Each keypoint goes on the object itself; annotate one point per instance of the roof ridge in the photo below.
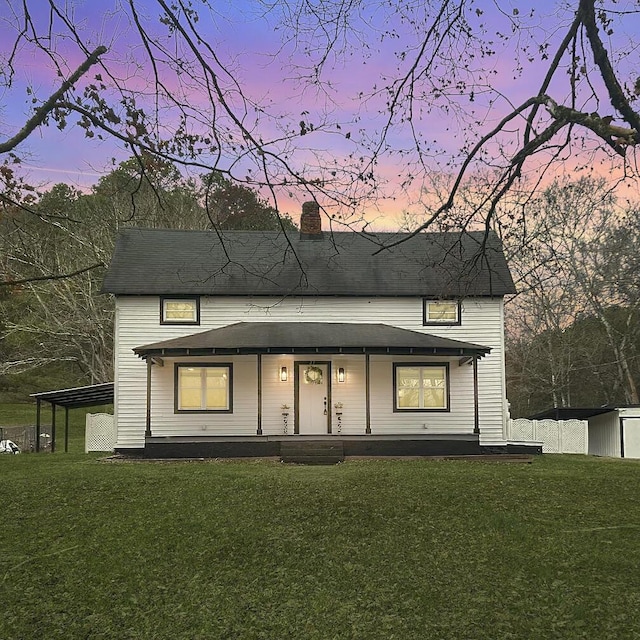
(295, 232)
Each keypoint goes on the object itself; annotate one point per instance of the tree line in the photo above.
(55, 325)
(572, 331)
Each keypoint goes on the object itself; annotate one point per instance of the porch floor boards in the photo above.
(463, 437)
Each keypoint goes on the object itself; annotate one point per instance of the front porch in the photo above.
(333, 380)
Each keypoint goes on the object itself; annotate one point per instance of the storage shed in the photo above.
(613, 431)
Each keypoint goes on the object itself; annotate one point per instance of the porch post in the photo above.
(147, 432)
(476, 412)
(38, 407)
(259, 359)
(367, 378)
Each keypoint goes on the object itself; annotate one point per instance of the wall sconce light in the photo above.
(341, 374)
(284, 374)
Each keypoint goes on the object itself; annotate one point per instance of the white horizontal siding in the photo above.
(459, 419)
(243, 421)
(137, 323)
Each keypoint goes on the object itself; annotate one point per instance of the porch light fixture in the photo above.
(341, 374)
(284, 374)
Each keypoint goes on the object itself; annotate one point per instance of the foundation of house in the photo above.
(334, 446)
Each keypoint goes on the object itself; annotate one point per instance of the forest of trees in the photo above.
(469, 113)
(57, 328)
(573, 330)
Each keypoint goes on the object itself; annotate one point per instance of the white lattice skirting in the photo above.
(557, 436)
(100, 432)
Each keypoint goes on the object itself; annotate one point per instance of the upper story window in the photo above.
(180, 310)
(444, 312)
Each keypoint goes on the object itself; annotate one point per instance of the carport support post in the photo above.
(38, 407)
(53, 427)
(66, 429)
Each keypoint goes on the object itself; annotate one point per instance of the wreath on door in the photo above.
(313, 375)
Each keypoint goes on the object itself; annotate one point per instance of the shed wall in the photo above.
(604, 435)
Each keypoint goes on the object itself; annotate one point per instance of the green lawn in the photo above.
(367, 549)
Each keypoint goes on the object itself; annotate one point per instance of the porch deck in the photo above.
(352, 445)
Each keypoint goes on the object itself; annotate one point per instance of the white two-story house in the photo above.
(232, 343)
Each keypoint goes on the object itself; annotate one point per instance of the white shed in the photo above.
(613, 431)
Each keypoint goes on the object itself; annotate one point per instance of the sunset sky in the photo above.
(256, 46)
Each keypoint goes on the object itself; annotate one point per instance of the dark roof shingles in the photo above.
(155, 262)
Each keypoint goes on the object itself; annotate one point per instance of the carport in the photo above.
(78, 397)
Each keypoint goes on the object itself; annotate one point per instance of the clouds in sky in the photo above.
(344, 95)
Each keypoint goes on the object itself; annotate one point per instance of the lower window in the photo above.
(421, 387)
(203, 387)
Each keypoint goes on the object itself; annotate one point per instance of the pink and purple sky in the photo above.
(266, 61)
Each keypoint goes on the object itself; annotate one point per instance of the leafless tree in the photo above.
(461, 88)
(576, 260)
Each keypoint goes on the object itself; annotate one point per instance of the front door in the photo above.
(313, 407)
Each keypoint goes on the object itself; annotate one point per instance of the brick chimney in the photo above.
(310, 221)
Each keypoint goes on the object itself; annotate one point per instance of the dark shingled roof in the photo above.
(310, 337)
(161, 262)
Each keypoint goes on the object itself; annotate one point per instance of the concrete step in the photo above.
(312, 459)
(312, 452)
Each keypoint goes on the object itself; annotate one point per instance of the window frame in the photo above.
(164, 299)
(202, 365)
(426, 322)
(422, 365)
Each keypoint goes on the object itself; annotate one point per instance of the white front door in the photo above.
(313, 398)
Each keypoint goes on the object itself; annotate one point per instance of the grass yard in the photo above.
(366, 549)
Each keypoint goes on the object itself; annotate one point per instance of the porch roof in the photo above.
(309, 337)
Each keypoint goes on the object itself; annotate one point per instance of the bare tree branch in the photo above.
(44, 110)
(52, 276)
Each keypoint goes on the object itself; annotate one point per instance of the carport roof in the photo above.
(89, 396)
